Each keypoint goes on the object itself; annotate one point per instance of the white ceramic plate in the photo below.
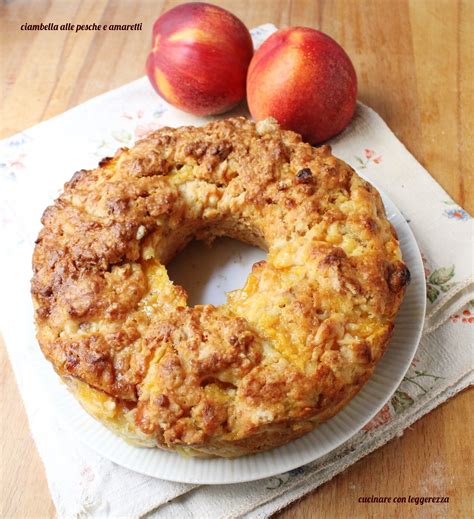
(207, 275)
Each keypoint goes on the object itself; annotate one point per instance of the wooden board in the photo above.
(415, 63)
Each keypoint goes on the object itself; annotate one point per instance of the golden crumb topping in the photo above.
(286, 351)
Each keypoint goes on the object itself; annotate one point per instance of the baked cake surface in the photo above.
(286, 352)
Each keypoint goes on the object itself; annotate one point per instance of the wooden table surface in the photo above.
(415, 63)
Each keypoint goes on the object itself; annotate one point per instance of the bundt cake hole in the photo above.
(208, 272)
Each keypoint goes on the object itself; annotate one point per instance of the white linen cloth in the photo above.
(33, 166)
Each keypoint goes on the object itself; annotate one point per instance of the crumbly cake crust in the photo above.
(285, 352)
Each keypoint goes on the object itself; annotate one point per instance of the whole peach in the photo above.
(305, 80)
(200, 58)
